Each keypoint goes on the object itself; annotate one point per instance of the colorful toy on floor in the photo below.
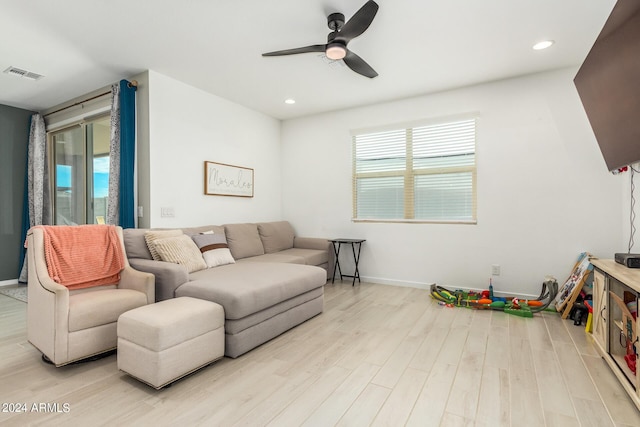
(487, 300)
(589, 325)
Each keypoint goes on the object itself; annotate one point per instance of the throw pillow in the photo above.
(152, 235)
(214, 248)
(180, 250)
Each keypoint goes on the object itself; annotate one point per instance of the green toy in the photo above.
(513, 306)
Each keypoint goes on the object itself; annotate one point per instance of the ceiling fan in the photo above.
(341, 34)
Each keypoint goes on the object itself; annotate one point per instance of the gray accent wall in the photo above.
(14, 137)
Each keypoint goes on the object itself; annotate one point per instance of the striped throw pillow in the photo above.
(214, 248)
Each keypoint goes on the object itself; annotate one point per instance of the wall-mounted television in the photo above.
(608, 83)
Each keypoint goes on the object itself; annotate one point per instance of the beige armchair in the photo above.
(67, 326)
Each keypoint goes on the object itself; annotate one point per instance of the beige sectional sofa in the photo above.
(275, 282)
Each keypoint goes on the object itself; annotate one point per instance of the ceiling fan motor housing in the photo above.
(335, 21)
(332, 36)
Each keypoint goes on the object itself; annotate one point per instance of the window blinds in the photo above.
(424, 173)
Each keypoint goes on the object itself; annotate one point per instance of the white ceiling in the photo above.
(416, 46)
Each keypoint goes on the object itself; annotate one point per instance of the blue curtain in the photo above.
(127, 153)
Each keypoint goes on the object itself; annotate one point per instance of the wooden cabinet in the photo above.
(599, 309)
(615, 326)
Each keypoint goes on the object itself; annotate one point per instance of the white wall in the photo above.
(626, 212)
(188, 126)
(544, 193)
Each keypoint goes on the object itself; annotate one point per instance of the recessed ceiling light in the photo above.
(543, 44)
(290, 101)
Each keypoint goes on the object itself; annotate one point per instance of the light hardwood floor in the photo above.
(378, 355)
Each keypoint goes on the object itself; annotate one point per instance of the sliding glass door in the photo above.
(81, 174)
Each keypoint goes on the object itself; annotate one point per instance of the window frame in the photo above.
(409, 173)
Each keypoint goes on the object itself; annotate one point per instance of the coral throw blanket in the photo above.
(83, 256)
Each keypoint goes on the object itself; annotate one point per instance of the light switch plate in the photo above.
(167, 212)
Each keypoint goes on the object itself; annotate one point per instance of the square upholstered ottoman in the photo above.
(160, 343)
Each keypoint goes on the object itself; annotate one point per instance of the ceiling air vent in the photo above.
(18, 72)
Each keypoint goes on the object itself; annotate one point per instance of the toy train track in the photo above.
(483, 301)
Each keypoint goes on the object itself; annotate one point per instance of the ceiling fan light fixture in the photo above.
(336, 51)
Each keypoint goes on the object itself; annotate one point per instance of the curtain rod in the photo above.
(133, 83)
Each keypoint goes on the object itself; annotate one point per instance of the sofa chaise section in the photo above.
(261, 300)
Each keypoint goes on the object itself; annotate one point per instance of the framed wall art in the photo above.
(227, 180)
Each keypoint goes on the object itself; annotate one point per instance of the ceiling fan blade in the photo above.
(358, 65)
(359, 22)
(306, 49)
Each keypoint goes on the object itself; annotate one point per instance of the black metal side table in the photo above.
(337, 243)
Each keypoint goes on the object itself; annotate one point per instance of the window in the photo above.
(424, 173)
(81, 172)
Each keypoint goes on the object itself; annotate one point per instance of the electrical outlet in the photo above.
(140, 212)
(167, 212)
(495, 270)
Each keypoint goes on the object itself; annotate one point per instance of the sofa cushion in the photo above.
(214, 248)
(243, 240)
(293, 256)
(180, 250)
(310, 256)
(277, 257)
(248, 287)
(134, 244)
(97, 308)
(276, 236)
(152, 235)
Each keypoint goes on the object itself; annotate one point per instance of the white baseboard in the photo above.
(392, 282)
(427, 286)
(8, 282)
